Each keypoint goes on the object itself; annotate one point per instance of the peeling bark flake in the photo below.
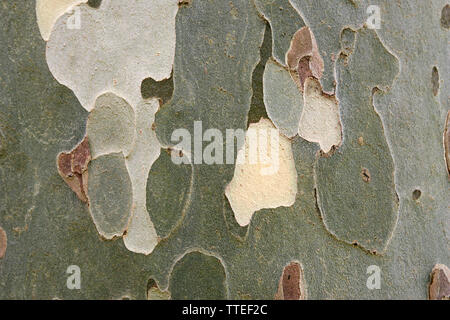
(72, 167)
(439, 288)
(303, 57)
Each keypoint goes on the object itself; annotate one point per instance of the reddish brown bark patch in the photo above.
(303, 57)
(72, 167)
(3, 242)
(439, 288)
(290, 286)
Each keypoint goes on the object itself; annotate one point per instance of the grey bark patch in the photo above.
(3, 242)
(326, 19)
(197, 276)
(283, 100)
(72, 167)
(111, 126)
(284, 21)
(435, 81)
(445, 16)
(168, 189)
(356, 191)
(110, 194)
(439, 288)
(348, 37)
(291, 285)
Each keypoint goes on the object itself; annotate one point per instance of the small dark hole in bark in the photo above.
(435, 80)
(445, 17)
(94, 3)
(416, 194)
(365, 174)
(184, 3)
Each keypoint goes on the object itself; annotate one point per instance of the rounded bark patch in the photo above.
(291, 283)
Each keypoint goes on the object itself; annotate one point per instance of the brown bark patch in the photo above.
(439, 288)
(3, 242)
(303, 57)
(291, 286)
(365, 174)
(72, 167)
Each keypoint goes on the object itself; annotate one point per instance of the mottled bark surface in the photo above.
(92, 92)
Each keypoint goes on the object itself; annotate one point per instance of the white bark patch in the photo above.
(251, 188)
(48, 12)
(320, 121)
(115, 47)
(141, 236)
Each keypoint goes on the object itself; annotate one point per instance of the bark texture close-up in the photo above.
(212, 149)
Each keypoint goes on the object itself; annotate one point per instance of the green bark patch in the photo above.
(168, 190)
(110, 194)
(198, 276)
(283, 100)
(284, 21)
(355, 185)
(111, 126)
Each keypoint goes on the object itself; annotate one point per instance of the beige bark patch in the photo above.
(320, 121)
(291, 285)
(115, 47)
(141, 235)
(439, 288)
(303, 57)
(259, 184)
(48, 12)
(3, 242)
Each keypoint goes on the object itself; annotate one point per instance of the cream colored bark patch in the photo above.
(48, 12)
(320, 121)
(141, 235)
(268, 182)
(115, 47)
